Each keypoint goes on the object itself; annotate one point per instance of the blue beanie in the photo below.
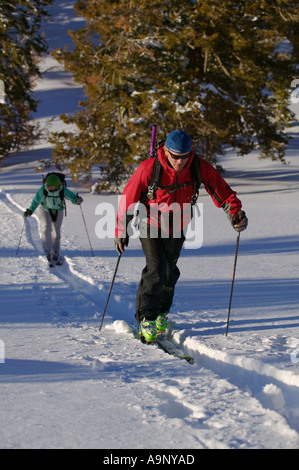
(178, 141)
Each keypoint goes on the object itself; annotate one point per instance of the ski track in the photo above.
(179, 397)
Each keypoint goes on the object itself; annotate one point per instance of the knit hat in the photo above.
(53, 180)
(178, 141)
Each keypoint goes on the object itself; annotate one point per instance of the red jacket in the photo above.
(214, 184)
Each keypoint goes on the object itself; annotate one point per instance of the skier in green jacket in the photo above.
(51, 197)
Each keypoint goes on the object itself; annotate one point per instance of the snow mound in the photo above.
(120, 327)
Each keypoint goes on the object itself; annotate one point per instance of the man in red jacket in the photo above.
(162, 242)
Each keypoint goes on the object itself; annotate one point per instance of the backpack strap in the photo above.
(155, 179)
(61, 194)
(174, 187)
(196, 176)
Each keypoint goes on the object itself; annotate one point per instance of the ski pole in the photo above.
(86, 228)
(21, 236)
(115, 271)
(233, 280)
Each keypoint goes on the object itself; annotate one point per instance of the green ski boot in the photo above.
(148, 331)
(161, 323)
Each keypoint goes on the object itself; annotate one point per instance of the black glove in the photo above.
(27, 213)
(79, 200)
(120, 243)
(240, 221)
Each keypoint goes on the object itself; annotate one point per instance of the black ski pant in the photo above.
(159, 277)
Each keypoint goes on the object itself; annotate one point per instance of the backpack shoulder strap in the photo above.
(155, 179)
(157, 174)
(196, 176)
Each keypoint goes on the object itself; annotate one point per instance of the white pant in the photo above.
(50, 231)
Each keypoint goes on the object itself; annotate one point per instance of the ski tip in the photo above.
(190, 360)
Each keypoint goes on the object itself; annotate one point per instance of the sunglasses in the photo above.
(51, 188)
(180, 157)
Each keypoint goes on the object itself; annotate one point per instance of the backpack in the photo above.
(157, 177)
(61, 176)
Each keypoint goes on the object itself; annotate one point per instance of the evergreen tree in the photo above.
(21, 44)
(221, 70)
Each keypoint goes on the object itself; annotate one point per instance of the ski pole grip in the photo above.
(154, 129)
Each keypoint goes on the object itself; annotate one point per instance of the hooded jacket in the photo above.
(53, 199)
(177, 202)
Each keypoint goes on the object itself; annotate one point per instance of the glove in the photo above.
(120, 243)
(27, 213)
(79, 200)
(240, 221)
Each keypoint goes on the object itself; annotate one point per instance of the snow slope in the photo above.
(65, 384)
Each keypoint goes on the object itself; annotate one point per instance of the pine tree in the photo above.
(21, 44)
(214, 68)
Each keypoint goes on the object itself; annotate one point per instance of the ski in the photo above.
(168, 347)
(50, 263)
(58, 260)
(53, 264)
(164, 343)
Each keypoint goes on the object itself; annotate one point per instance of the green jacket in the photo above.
(53, 199)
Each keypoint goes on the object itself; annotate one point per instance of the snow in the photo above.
(67, 385)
